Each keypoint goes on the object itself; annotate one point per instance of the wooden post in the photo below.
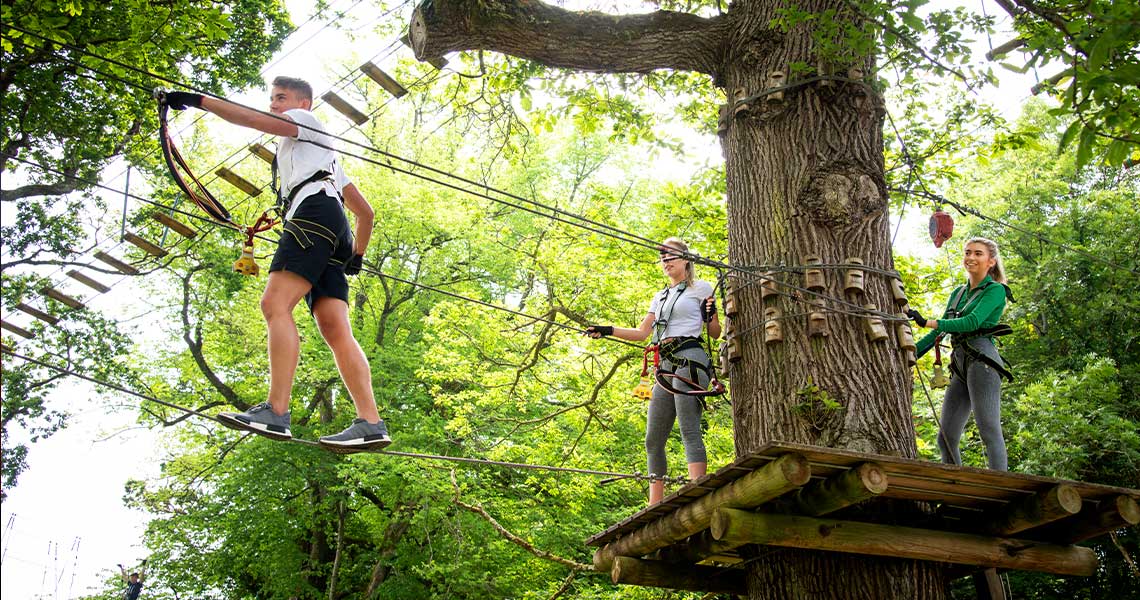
(37, 313)
(831, 535)
(116, 263)
(343, 107)
(774, 479)
(146, 246)
(262, 152)
(1058, 502)
(87, 281)
(238, 181)
(178, 226)
(59, 296)
(988, 585)
(385, 80)
(693, 578)
(20, 331)
(1110, 515)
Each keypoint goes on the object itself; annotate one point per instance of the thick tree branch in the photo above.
(587, 41)
(192, 335)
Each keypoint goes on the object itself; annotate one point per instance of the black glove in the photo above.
(597, 331)
(183, 100)
(708, 309)
(352, 267)
(144, 562)
(917, 316)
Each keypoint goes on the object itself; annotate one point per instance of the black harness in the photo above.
(960, 341)
(671, 349)
(283, 203)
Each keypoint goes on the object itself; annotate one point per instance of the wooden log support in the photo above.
(693, 578)
(385, 80)
(175, 225)
(1109, 515)
(37, 313)
(850, 487)
(698, 548)
(61, 297)
(343, 107)
(778, 477)
(115, 263)
(238, 181)
(20, 331)
(262, 152)
(149, 248)
(87, 281)
(1036, 510)
(729, 524)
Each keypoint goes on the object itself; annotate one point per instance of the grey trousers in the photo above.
(979, 392)
(665, 408)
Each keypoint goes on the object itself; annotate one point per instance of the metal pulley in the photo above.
(941, 227)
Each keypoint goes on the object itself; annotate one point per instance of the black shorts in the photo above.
(316, 244)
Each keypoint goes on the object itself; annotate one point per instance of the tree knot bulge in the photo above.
(840, 195)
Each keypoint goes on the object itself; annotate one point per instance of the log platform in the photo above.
(807, 497)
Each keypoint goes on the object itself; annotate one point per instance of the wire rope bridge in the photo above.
(797, 496)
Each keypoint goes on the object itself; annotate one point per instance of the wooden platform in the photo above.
(780, 495)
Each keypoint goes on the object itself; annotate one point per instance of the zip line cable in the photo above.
(310, 443)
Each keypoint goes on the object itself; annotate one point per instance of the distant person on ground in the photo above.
(316, 252)
(134, 582)
(972, 319)
(677, 315)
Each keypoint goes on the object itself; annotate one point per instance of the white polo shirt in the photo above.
(684, 316)
(297, 160)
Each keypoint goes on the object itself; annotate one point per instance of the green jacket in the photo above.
(975, 311)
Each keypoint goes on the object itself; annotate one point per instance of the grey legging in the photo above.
(665, 407)
(980, 392)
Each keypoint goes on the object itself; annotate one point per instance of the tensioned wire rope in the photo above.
(554, 212)
(310, 443)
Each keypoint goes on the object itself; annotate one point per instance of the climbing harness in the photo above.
(941, 227)
(960, 341)
(246, 264)
(671, 348)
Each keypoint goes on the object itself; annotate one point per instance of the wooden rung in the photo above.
(178, 226)
(385, 80)
(238, 181)
(147, 247)
(262, 152)
(343, 107)
(20, 331)
(438, 62)
(59, 296)
(87, 281)
(116, 263)
(37, 313)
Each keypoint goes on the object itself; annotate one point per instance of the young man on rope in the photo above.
(675, 319)
(972, 319)
(317, 250)
(134, 582)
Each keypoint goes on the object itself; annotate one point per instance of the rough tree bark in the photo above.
(804, 177)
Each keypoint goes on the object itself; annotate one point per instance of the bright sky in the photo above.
(65, 528)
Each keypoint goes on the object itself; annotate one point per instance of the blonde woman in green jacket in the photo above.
(972, 320)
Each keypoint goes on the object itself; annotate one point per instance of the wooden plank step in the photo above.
(343, 107)
(146, 246)
(87, 281)
(262, 152)
(61, 297)
(39, 314)
(115, 263)
(177, 226)
(385, 80)
(238, 181)
(20, 331)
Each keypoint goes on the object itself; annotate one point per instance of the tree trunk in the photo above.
(804, 178)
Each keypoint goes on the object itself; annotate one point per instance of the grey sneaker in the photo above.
(361, 436)
(259, 419)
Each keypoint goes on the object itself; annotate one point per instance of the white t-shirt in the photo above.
(684, 318)
(298, 160)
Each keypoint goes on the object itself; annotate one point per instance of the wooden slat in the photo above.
(262, 152)
(238, 181)
(39, 314)
(59, 296)
(177, 226)
(385, 80)
(20, 331)
(87, 281)
(343, 107)
(116, 263)
(146, 246)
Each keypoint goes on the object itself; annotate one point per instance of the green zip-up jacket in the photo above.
(983, 311)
